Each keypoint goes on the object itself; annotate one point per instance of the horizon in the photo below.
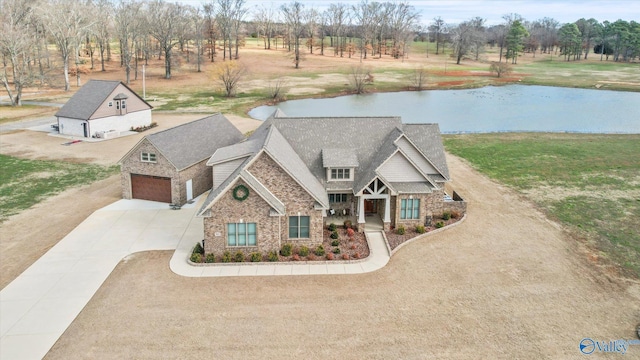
(456, 11)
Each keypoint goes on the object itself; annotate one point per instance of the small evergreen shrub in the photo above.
(347, 224)
(330, 256)
(446, 215)
(332, 227)
(198, 249)
(226, 257)
(336, 250)
(273, 256)
(196, 258)
(335, 242)
(420, 229)
(304, 251)
(255, 257)
(238, 257)
(319, 251)
(439, 224)
(286, 250)
(210, 258)
(400, 230)
(334, 235)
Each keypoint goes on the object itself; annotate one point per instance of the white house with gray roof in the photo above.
(103, 107)
(171, 165)
(285, 182)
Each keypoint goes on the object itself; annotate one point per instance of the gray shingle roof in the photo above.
(336, 158)
(190, 143)
(235, 151)
(428, 140)
(385, 149)
(411, 187)
(88, 99)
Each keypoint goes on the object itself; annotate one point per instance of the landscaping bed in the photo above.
(396, 237)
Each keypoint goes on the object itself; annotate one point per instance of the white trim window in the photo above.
(148, 157)
(298, 227)
(337, 198)
(110, 103)
(241, 234)
(410, 209)
(124, 104)
(341, 174)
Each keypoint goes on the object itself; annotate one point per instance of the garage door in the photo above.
(152, 188)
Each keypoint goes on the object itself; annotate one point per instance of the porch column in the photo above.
(361, 210)
(387, 210)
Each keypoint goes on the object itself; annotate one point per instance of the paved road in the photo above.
(38, 306)
(20, 125)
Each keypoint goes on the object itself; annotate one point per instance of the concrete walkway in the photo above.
(39, 305)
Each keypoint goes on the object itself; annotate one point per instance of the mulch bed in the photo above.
(410, 232)
(350, 248)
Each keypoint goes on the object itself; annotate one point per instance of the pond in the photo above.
(511, 108)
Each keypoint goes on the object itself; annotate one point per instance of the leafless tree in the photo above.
(419, 78)
(311, 20)
(210, 27)
(338, 15)
(500, 68)
(461, 40)
(198, 23)
(67, 22)
(229, 74)
(17, 48)
(293, 16)
(265, 18)
(359, 78)
(127, 28)
(364, 15)
(103, 26)
(276, 89)
(163, 23)
(402, 19)
(438, 29)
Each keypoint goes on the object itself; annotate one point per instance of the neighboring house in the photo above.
(170, 166)
(279, 185)
(103, 107)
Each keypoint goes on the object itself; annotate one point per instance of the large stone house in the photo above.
(281, 184)
(170, 165)
(103, 108)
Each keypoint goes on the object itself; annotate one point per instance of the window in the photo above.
(410, 209)
(124, 104)
(340, 174)
(148, 157)
(241, 234)
(117, 104)
(337, 198)
(298, 227)
(110, 103)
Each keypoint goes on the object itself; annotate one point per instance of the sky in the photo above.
(456, 11)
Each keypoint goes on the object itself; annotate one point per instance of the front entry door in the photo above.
(369, 206)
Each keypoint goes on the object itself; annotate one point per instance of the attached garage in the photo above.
(154, 188)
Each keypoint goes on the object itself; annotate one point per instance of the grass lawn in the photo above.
(24, 183)
(591, 183)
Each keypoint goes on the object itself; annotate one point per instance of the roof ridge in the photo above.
(184, 124)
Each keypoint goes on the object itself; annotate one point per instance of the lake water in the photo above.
(511, 108)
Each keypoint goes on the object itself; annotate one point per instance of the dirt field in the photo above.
(505, 284)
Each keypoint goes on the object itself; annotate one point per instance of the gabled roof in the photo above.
(190, 143)
(385, 150)
(427, 139)
(339, 158)
(84, 103)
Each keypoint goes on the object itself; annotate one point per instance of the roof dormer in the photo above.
(340, 164)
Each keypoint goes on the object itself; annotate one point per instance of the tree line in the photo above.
(145, 29)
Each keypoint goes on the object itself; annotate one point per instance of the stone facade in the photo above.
(272, 231)
(200, 173)
(430, 205)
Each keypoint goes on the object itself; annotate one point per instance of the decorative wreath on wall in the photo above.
(240, 192)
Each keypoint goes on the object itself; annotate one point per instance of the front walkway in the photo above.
(39, 305)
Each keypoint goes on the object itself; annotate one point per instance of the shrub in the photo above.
(311, 257)
(455, 214)
(345, 257)
(420, 229)
(239, 256)
(334, 235)
(330, 256)
(295, 257)
(356, 255)
(350, 232)
(304, 251)
(319, 251)
(210, 258)
(336, 250)
(273, 256)
(439, 224)
(446, 215)
(333, 227)
(198, 249)
(353, 247)
(255, 257)
(347, 224)
(226, 257)
(286, 250)
(335, 242)
(196, 258)
(400, 230)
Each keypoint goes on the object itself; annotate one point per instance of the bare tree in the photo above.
(102, 29)
(229, 74)
(402, 19)
(293, 16)
(311, 19)
(163, 23)
(500, 68)
(67, 22)
(210, 27)
(437, 29)
(265, 17)
(127, 26)
(338, 17)
(198, 23)
(462, 40)
(16, 47)
(419, 78)
(276, 89)
(359, 78)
